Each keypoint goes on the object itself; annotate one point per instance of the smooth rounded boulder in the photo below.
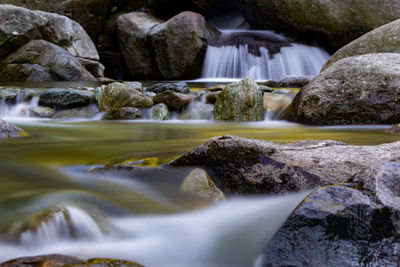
(155, 49)
(118, 95)
(384, 39)
(356, 90)
(65, 98)
(334, 22)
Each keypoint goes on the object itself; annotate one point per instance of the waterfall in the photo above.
(262, 55)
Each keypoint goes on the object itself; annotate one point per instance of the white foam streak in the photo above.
(232, 233)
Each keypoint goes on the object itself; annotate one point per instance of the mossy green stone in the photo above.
(240, 102)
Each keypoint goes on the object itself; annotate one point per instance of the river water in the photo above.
(51, 202)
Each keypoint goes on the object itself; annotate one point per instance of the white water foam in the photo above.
(237, 61)
(231, 233)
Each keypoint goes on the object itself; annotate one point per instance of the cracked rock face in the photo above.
(20, 26)
(245, 166)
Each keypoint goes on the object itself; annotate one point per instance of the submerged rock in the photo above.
(239, 165)
(82, 112)
(356, 90)
(160, 112)
(174, 100)
(394, 129)
(54, 260)
(117, 95)
(241, 101)
(181, 87)
(200, 183)
(65, 98)
(125, 113)
(57, 260)
(8, 130)
(336, 226)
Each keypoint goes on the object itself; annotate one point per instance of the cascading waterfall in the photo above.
(262, 55)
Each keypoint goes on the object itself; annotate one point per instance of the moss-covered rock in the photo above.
(160, 112)
(117, 95)
(241, 101)
(356, 90)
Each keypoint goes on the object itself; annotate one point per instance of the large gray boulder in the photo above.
(180, 44)
(39, 61)
(336, 22)
(171, 50)
(384, 39)
(239, 165)
(91, 14)
(18, 26)
(241, 101)
(134, 40)
(356, 90)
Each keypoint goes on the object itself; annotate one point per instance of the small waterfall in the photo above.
(262, 55)
(66, 223)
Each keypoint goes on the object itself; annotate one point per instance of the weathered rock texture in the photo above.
(174, 100)
(241, 101)
(356, 90)
(9, 130)
(337, 226)
(19, 26)
(170, 50)
(117, 95)
(239, 165)
(335, 22)
(39, 61)
(65, 99)
(385, 39)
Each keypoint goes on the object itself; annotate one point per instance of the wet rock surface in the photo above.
(356, 90)
(57, 260)
(118, 95)
(182, 88)
(8, 130)
(174, 100)
(337, 226)
(160, 112)
(239, 165)
(240, 102)
(65, 98)
(125, 113)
